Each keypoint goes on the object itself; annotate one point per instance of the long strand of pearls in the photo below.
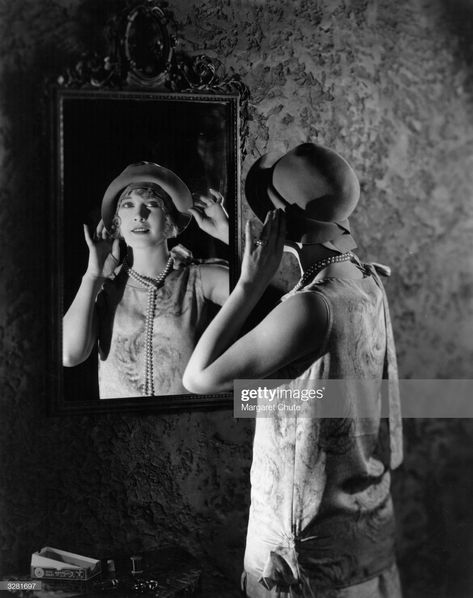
(152, 285)
(320, 265)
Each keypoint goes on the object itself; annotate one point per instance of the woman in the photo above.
(321, 519)
(145, 315)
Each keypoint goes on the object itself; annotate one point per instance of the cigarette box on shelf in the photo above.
(52, 563)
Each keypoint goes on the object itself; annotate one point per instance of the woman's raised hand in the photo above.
(211, 216)
(104, 252)
(262, 256)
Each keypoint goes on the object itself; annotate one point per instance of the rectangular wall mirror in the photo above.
(96, 134)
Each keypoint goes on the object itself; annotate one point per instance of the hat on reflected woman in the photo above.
(140, 174)
(317, 188)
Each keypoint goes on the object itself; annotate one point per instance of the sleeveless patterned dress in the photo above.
(180, 318)
(321, 519)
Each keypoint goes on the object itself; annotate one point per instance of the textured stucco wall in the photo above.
(388, 84)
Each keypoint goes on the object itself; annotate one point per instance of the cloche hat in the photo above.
(317, 188)
(148, 172)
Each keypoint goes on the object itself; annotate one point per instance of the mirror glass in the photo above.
(96, 135)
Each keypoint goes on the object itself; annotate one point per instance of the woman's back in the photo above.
(320, 486)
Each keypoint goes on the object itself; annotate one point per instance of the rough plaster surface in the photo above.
(386, 84)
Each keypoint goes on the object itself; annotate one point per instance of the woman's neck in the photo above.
(308, 255)
(148, 261)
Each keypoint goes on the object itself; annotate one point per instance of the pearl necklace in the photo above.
(153, 285)
(320, 265)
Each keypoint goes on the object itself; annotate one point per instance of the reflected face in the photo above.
(144, 219)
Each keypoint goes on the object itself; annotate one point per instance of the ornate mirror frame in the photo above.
(143, 84)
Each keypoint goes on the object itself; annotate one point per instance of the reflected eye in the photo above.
(150, 204)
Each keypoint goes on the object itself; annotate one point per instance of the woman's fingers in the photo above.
(202, 201)
(262, 255)
(248, 238)
(116, 249)
(99, 229)
(264, 235)
(218, 197)
(206, 201)
(197, 215)
(87, 237)
(273, 233)
(99, 235)
(270, 227)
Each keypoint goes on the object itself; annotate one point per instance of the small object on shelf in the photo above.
(52, 563)
(169, 572)
(136, 565)
(111, 571)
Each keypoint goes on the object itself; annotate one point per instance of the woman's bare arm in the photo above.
(79, 323)
(294, 328)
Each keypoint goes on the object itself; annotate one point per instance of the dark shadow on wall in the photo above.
(25, 194)
(436, 531)
(458, 17)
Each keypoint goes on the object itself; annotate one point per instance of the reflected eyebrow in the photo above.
(152, 202)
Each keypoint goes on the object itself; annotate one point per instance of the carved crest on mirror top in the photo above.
(143, 54)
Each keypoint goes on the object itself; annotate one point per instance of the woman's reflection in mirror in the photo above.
(321, 518)
(147, 310)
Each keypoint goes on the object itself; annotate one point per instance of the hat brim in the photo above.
(149, 173)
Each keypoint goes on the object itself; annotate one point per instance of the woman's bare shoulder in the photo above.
(215, 281)
(306, 307)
